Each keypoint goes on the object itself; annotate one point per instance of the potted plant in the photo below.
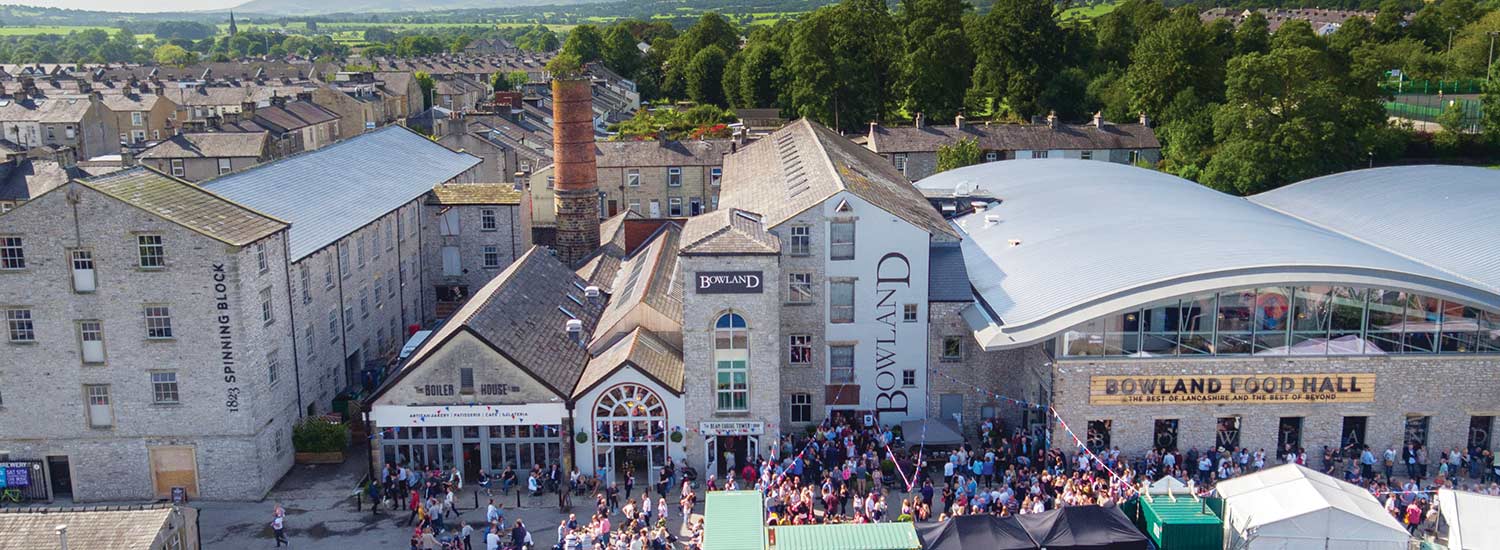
(319, 441)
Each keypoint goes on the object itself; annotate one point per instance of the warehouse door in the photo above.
(174, 467)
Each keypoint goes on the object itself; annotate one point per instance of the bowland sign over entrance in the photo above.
(728, 282)
(1289, 388)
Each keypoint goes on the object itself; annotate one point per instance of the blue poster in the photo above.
(18, 477)
(2, 478)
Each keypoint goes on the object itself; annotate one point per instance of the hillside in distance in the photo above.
(303, 7)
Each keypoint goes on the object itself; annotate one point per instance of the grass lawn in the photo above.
(1090, 11)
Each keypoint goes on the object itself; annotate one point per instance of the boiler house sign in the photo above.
(1249, 388)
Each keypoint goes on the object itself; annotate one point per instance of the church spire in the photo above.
(232, 28)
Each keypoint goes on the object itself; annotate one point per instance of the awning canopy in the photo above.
(982, 531)
(734, 520)
(929, 433)
(1470, 519)
(1169, 484)
(844, 536)
(1084, 528)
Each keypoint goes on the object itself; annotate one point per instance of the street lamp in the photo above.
(1490, 68)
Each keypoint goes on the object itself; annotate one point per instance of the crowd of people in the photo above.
(846, 473)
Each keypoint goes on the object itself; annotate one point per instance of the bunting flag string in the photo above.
(1081, 443)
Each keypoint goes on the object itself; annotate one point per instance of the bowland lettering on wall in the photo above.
(225, 332)
(892, 274)
(1252, 389)
(728, 282)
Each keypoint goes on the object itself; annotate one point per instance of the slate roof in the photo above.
(599, 269)
(728, 231)
(522, 313)
(129, 101)
(474, 194)
(62, 109)
(1013, 137)
(804, 163)
(947, 278)
(328, 193)
(642, 349)
(209, 145)
(29, 178)
(187, 205)
(609, 154)
(135, 528)
(293, 115)
(229, 95)
(647, 278)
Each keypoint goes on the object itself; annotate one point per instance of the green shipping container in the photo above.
(1185, 523)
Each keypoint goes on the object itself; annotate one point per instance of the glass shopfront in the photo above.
(1290, 320)
(520, 447)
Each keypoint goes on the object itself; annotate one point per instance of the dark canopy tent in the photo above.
(1083, 528)
(970, 532)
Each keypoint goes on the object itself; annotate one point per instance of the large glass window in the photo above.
(1235, 322)
(1310, 314)
(1307, 321)
(731, 359)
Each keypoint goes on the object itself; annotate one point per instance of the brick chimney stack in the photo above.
(576, 178)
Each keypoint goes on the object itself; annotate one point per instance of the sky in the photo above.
(133, 5)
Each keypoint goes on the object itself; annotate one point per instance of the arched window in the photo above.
(731, 361)
(630, 413)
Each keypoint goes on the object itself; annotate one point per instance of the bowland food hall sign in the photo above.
(1253, 389)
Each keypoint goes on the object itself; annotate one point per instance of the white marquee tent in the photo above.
(1290, 507)
(1470, 519)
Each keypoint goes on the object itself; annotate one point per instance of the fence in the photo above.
(24, 480)
(1426, 108)
(1426, 87)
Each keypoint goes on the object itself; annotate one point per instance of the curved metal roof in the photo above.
(1071, 240)
(1444, 216)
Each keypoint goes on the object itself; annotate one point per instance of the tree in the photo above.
(711, 29)
(760, 79)
(538, 39)
(1451, 119)
(518, 79)
(704, 76)
(1390, 20)
(500, 82)
(585, 43)
(964, 152)
(565, 66)
(841, 58)
(173, 55)
(459, 43)
(1118, 31)
(936, 64)
(419, 45)
(620, 52)
(1290, 114)
(312, 26)
(426, 83)
(1254, 34)
(1016, 48)
(191, 30)
(1176, 55)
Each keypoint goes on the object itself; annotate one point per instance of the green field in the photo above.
(1090, 11)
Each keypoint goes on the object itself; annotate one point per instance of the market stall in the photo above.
(1468, 520)
(1291, 507)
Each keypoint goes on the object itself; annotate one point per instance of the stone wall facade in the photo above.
(1024, 374)
(510, 237)
(1449, 390)
(700, 311)
(229, 412)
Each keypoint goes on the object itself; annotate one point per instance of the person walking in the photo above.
(278, 526)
